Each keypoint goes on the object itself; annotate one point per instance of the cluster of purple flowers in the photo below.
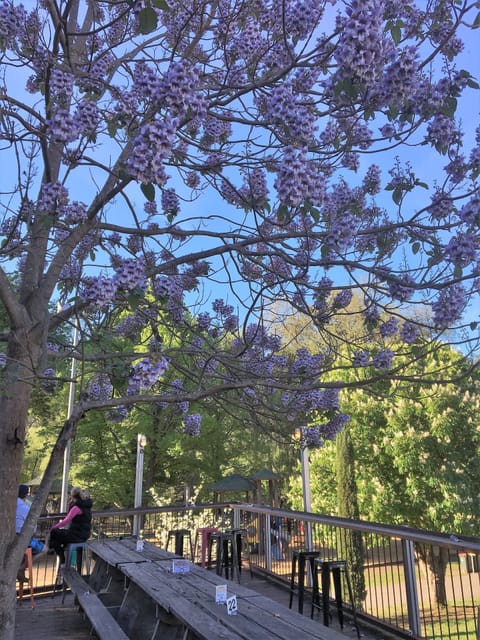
(388, 328)
(99, 387)
(49, 380)
(409, 332)
(191, 424)
(145, 374)
(462, 249)
(383, 359)
(298, 179)
(99, 291)
(449, 306)
(117, 414)
(53, 198)
(130, 274)
(151, 147)
(361, 358)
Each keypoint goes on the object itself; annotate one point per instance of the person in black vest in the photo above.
(75, 527)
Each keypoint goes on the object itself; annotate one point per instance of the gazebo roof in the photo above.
(265, 474)
(233, 482)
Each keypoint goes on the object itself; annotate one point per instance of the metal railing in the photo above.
(413, 583)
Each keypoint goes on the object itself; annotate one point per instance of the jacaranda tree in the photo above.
(171, 170)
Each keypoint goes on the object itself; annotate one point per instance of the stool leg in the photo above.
(292, 580)
(301, 583)
(179, 544)
(219, 557)
(337, 583)
(326, 594)
(315, 595)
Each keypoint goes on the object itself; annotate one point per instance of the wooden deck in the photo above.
(52, 620)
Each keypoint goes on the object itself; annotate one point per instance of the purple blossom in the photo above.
(117, 414)
(170, 202)
(63, 127)
(462, 249)
(449, 306)
(388, 328)
(361, 359)
(145, 374)
(191, 424)
(99, 387)
(130, 274)
(403, 288)
(409, 332)
(49, 380)
(383, 359)
(99, 291)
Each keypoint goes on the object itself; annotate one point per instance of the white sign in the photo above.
(180, 566)
(140, 544)
(221, 593)
(232, 608)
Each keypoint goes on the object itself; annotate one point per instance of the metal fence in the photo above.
(413, 583)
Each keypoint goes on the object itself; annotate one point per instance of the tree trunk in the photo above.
(23, 357)
(435, 560)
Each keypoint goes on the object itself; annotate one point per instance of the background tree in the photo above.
(262, 119)
(350, 544)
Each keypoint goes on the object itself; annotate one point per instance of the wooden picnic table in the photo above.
(152, 601)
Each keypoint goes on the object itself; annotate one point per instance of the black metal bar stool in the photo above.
(300, 557)
(179, 536)
(335, 569)
(226, 554)
(241, 541)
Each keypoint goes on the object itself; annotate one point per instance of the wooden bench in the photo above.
(102, 621)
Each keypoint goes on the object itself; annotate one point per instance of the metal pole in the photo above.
(411, 587)
(307, 496)
(71, 401)
(141, 442)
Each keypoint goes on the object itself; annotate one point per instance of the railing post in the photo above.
(268, 543)
(411, 587)
(236, 518)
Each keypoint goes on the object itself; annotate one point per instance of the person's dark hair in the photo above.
(22, 491)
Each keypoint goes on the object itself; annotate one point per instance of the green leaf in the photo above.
(449, 107)
(160, 4)
(397, 196)
(458, 272)
(476, 22)
(148, 191)
(416, 247)
(471, 83)
(421, 184)
(396, 34)
(147, 20)
(473, 325)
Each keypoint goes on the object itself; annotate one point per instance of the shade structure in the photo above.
(233, 483)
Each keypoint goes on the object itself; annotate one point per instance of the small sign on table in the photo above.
(221, 593)
(180, 566)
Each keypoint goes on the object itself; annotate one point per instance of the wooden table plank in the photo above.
(257, 617)
(117, 552)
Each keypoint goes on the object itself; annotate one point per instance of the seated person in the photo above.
(79, 523)
(35, 544)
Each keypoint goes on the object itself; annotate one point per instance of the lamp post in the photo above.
(141, 444)
(71, 401)
(306, 491)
